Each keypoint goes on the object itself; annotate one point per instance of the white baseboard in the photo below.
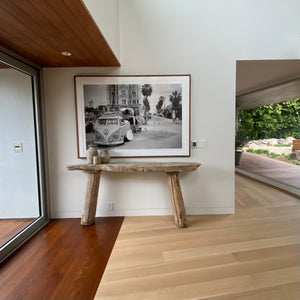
(147, 212)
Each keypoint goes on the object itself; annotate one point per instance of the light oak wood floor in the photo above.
(253, 254)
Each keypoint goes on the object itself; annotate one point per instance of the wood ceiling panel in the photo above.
(41, 26)
(41, 29)
(13, 41)
(80, 33)
(61, 31)
(86, 22)
(20, 33)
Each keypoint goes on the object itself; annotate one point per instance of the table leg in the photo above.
(177, 200)
(91, 197)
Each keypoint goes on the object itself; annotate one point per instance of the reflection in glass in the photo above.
(19, 189)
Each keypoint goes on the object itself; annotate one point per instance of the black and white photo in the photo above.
(134, 116)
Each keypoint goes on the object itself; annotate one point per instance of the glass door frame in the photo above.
(24, 66)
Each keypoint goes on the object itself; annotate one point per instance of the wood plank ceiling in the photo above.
(40, 30)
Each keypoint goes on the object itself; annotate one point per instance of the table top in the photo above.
(148, 167)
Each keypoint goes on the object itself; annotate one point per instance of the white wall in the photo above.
(18, 172)
(203, 38)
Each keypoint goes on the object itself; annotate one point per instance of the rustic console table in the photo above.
(172, 169)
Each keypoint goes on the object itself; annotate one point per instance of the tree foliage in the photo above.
(146, 91)
(146, 104)
(175, 99)
(160, 103)
(278, 120)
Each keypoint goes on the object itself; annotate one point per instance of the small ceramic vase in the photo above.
(92, 151)
(105, 157)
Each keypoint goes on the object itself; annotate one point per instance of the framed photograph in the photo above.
(134, 116)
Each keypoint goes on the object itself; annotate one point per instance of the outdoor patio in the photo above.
(271, 168)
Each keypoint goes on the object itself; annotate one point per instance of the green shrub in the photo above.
(286, 157)
(258, 151)
(283, 145)
(241, 138)
(278, 120)
(289, 158)
(261, 151)
(273, 155)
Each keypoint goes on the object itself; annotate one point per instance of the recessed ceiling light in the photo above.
(66, 53)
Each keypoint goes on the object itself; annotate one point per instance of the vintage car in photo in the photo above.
(129, 115)
(111, 130)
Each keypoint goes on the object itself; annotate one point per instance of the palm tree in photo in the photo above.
(175, 99)
(160, 103)
(146, 91)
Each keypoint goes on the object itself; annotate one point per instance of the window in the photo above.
(27, 201)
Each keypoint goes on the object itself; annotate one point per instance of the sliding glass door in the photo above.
(22, 169)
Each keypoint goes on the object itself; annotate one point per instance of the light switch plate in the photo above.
(202, 144)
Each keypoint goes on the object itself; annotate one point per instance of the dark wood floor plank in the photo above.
(63, 261)
(10, 227)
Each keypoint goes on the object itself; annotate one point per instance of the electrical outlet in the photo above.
(110, 206)
(194, 144)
